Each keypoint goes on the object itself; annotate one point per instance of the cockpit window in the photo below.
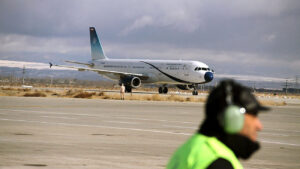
(202, 68)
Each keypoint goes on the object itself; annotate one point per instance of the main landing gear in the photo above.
(195, 92)
(163, 89)
(128, 89)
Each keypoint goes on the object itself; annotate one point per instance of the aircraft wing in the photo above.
(101, 71)
(80, 63)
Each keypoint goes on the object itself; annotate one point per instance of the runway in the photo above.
(77, 133)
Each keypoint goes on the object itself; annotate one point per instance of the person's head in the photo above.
(232, 109)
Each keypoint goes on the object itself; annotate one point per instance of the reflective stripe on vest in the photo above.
(199, 152)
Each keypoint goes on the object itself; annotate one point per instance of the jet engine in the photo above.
(131, 81)
(185, 87)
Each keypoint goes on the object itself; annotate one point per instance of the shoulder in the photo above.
(220, 163)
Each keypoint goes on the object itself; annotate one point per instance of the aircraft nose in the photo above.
(208, 76)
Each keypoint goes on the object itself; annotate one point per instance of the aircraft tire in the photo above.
(128, 89)
(165, 90)
(160, 90)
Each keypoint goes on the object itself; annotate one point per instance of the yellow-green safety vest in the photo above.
(200, 151)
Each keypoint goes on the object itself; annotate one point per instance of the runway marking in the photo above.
(180, 127)
(76, 114)
(29, 141)
(275, 142)
(133, 129)
(132, 118)
(121, 122)
(275, 134)
(286, 115)
(44, 112)
(58, 117)
(282, 130)
(65, 135)
(98, 126)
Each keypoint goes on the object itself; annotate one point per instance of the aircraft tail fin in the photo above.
(96, 47)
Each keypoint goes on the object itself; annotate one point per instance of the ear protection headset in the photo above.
(232, 118)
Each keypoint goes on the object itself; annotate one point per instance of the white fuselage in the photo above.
(157, 71)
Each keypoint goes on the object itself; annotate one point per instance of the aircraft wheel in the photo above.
(160, 90)
(128, 89)
(165, 90)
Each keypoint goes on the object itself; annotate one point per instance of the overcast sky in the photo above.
(248, 37)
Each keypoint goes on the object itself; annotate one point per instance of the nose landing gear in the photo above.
(195, 92)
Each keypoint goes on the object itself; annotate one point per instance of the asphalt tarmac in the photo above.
(110, 134)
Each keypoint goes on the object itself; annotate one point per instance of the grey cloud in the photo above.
(222, 62)
(43, 49)
(232, 35)
(138, 24)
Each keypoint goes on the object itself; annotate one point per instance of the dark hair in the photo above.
(215, 104)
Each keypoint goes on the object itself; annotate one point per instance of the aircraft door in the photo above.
(185, 71)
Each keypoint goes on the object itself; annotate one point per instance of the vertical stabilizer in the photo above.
(96, 48)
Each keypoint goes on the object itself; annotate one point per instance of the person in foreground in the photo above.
(228, 132)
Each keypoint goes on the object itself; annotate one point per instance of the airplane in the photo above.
(185, 74)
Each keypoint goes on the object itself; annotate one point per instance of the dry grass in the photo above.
(272, 103)
(7, 88)
(9, 91)
(280, 95)
(176, 98)
(157, 97)
(48, 91)
(70, 92)
(35, 94)
(101, 94)
(195, 99)
(15, 89)
(84, 95)
(80, 93)
(152, 97)
(56, 94)
(24, 90)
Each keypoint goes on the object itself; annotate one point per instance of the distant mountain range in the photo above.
(48, 73)
(92, 76)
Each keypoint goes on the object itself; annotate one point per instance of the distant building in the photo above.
(291, 90)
